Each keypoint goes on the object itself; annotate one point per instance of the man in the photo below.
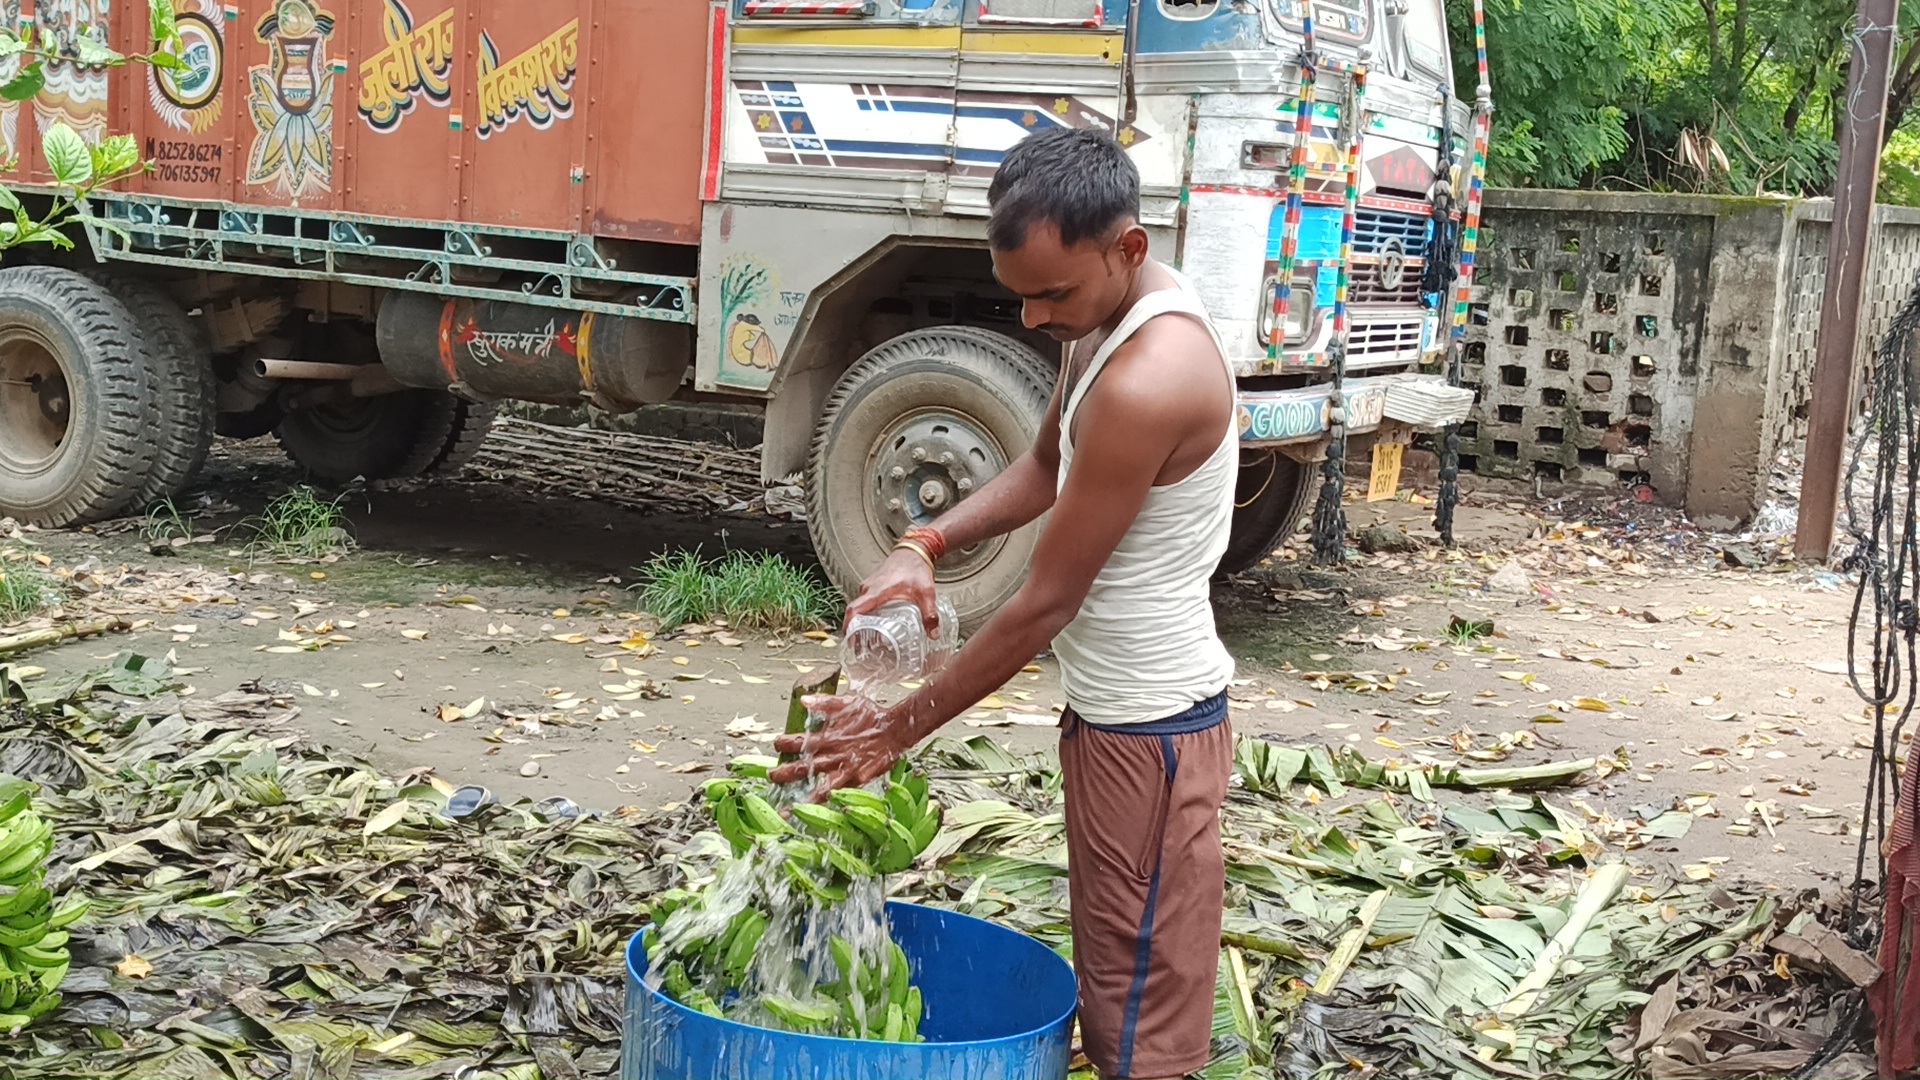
(1136, 461)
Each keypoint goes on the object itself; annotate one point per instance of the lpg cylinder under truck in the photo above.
(368, 220)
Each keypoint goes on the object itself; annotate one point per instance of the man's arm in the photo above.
(1131, 428)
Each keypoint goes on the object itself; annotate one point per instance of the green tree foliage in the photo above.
(1737, 96)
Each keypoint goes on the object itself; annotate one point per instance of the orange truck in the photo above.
(366, 221)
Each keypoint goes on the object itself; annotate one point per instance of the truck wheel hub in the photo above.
(923, 464)
(35, 401)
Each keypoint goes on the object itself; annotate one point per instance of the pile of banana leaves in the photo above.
(1375, 933)
(262, 907)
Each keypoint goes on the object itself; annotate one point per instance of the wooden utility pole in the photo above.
(1831, 399)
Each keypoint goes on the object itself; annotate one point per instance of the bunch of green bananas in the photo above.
(33, 934)
(860, 834)
(822, 852)
(871, 1000)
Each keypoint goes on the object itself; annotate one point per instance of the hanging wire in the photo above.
(1887, 563)
(1882, 627)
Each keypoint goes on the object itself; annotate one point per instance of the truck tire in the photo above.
(952, 390)
(184, 387)
(76, 395)
(466, 430)
(1269, 499)
(380, 438)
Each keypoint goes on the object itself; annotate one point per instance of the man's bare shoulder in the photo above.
(1169, 365)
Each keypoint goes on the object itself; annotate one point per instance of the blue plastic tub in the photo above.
(999, 1005)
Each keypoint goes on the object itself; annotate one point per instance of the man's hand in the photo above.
(857, 744)
(904, 576)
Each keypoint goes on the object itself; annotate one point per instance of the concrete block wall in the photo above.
(1666, 340)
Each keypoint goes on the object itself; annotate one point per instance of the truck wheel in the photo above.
(1269, 499)
(184, 387)
(909, 430)
(466, 430)
(75, 399)
(380, 438)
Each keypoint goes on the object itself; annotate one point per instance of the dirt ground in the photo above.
(487, 634)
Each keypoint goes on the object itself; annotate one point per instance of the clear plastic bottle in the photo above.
(892, 645)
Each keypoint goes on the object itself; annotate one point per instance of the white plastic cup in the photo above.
(891, 645)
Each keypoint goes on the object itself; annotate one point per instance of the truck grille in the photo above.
(1373, 229)
(1366, 287)
(1385, 339)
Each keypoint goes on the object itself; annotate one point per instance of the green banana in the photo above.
(10, 986)
(899, 852)
(896, 974)
(719, 788)
(29, 935)
(761, 818)
(21, 833)
(895, 1023)
(673, 980)
(801, 1015)
(67, 914)
(911, 1010)
(925, 830)
(32, 956)
(23, 902)
(871, 823)
(832, 894)
(916, 785)
(899, 771)
(824, 820)
(842, 951)
(45, 1004)
(54, 939)
(27, 861)
(726, 812)
(847, 798)
(752, 766)
(846, 861)
(701, 1001)
(15, 797)
(51, 978)
(856, 1011)
(745, 942)
(14, 1021)
(901, 804)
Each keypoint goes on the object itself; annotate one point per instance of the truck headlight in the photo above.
(1302, 315)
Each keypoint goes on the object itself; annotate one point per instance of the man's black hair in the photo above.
(1078, 179)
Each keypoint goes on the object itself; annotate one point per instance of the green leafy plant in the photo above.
(79, 168)
(748, 590)
(299, 525)
(25, 589)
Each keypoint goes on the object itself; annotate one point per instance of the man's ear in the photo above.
(1133, 244)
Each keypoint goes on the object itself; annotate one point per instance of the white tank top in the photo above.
(1143, 646)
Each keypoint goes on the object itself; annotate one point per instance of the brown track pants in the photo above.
(1147, 882)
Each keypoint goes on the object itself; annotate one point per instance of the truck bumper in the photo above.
(1303, 414)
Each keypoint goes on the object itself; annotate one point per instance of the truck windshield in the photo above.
(1427, 37)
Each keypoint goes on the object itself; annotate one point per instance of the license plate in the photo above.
(1385, 480)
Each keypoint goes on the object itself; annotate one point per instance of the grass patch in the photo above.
(749, 590)
(25, 589)
(299, 525)
(165, 523)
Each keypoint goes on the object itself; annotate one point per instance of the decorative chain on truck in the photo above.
(368, 220)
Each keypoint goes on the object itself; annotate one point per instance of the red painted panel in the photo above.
(289, 57)
(647, 108)
(183, 120)
(524, 139)
(401, 143)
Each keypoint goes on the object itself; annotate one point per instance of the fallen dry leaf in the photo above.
(134, 966)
